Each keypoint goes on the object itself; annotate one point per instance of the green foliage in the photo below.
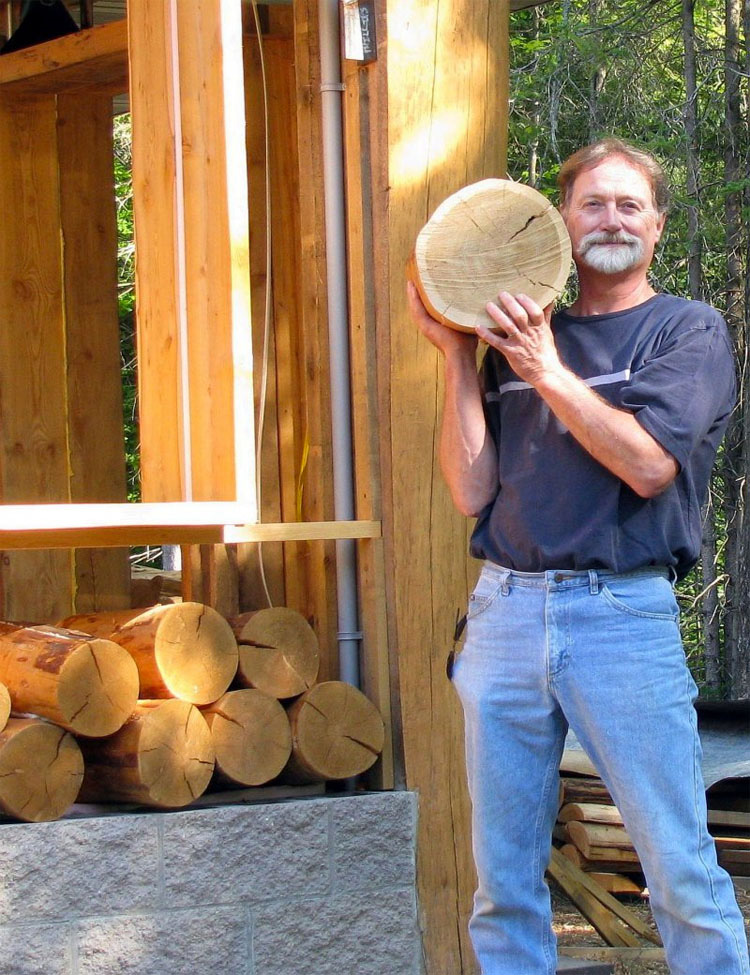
(126, 299)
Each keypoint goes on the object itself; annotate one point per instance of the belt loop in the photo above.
(504, 587)
(593, 582)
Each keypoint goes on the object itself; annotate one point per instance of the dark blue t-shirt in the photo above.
(668, 361)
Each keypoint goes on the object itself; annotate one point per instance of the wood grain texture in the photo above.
(92, 334)
(33, 388)
(93, 60)
(41, 770)
(442, 99)
(491, 236)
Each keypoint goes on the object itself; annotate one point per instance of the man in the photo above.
(585, 448)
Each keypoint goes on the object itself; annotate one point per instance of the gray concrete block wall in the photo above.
(322, 886)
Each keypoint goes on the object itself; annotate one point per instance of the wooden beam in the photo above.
(94, 60)
(441, 82)
(33, 410)
(92, 335)
(192, 260)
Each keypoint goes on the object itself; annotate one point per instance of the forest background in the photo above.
(672, 77)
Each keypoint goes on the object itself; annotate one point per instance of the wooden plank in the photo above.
(154, 181)
(93, 60)
(441, 82)
(589, 812)
(33, 392)
(317, 563)
(607, 924)
(562, 867)
(92, 336)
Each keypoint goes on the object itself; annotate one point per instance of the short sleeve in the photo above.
(686, 388)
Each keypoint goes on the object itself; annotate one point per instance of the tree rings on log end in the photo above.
(278, 653)
(494, 235)
(251, 736)
(337, 733)
(163, 756)
(98, 688)
(41, 770)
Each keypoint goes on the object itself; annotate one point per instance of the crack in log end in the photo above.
(532, 218)
(364, 744)
(85, 704)
(315, 708)
(222, 714)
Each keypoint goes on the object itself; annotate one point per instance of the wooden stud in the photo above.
(92, 336)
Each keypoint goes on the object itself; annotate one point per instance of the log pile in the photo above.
(157, 705)
(590, 834)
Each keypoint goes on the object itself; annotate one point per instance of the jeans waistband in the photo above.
(572, 578)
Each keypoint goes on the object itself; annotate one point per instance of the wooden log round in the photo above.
(87, 685)
(337, 733)
(41, 770)
(278, 652)
(251, 736)
(491, 236)
(184, 650)
(163, 757)
(4, 706)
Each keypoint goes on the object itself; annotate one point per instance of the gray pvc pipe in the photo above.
(331, 89)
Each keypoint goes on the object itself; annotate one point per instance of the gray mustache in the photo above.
(601, 237)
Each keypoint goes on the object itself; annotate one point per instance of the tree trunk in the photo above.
(163, 756)
(598, 77)
(278, 651)
(183, 650)
(41, 770)
(251, 737)
(336, 733)
(737, 450)
(89, 686)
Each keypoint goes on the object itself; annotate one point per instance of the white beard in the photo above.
(611, 253)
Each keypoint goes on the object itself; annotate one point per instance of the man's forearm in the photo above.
(467, 454)
(612, 436)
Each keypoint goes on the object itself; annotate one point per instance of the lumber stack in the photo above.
(591, 835)
(157, 705)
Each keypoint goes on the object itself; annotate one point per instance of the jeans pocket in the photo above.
(483, 597)
(645, 597)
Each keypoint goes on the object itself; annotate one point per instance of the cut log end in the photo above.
(162, 757)
(336, 733)
(98, 688)
(251, 736)
(41, 770)
(278, 653)
(4, 706)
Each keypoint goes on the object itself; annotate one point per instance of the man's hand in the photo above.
(447, 340)
(526, 339)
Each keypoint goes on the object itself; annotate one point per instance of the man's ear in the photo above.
(660, 223)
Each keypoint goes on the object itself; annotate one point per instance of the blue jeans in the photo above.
(602, 653)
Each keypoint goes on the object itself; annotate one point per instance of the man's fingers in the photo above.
(534, 313)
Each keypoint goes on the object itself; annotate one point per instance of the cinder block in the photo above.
(75, 868)
(38, 949)
(366, 934)
(374, 840)
(200, 942)
(236, 854)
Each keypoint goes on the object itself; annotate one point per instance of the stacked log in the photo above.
(591, 835)
(163, 756)
(251, 737)
(151, 706)
(183, 650)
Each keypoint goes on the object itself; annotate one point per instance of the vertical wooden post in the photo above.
(192, 264)
(89, 259)
(192, 253)
(432, 114)
(33, 389)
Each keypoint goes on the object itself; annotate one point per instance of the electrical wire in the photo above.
(267, 299)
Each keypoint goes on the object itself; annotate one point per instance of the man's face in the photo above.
(611, 217)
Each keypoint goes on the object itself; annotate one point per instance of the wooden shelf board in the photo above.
(93, 60)
(25, 526)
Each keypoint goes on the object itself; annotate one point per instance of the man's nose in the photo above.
(611, 217)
